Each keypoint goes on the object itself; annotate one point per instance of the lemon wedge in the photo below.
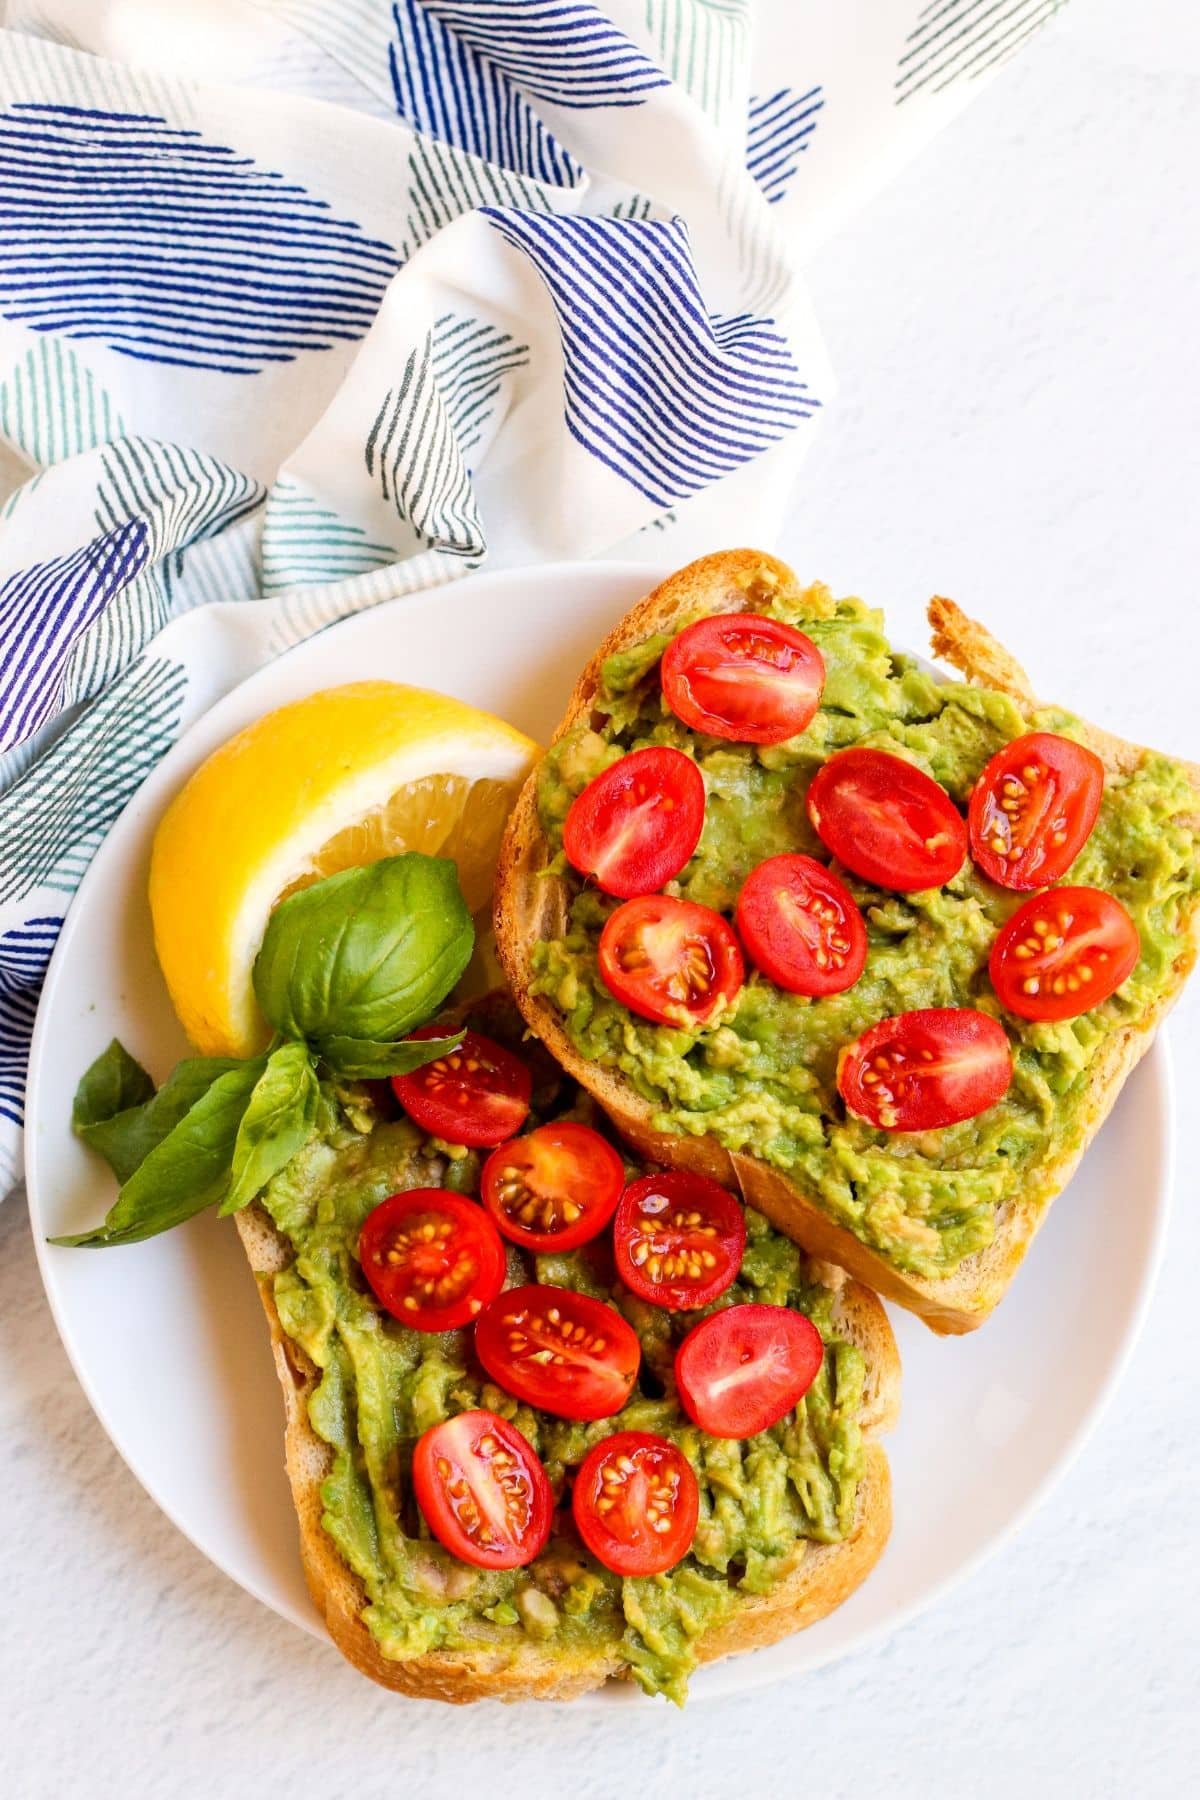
(331, 782)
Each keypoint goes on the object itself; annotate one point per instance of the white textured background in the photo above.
(1014, 323)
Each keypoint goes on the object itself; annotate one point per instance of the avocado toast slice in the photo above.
(938, 1221)
(791, 1521)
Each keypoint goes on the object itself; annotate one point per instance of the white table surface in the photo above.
(1014, 326)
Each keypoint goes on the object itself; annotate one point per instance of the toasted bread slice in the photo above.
(532, 904)
(824, 1576)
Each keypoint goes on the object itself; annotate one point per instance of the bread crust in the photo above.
(531, 905)
(825, 1576)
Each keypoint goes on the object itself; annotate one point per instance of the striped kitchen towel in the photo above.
(306, 304)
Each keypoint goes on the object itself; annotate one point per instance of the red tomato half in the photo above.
(1033, 808)
(559, 1350)
(1063, 952)
(554, 1188)
(432, 1259)
(483, 1492)
(801, 927)
(743, 1369)
(678, 1239)
(636, 1501)
(743, 676)
(635, 826)
(671, 961)
(479, 1094)
(922, 1070)
(886, 820)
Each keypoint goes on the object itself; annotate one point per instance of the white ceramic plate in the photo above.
(168, 1337)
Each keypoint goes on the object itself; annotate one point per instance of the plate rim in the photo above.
(730, 1675)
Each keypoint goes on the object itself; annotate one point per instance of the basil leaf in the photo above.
(128, 1137)
(359, 1059)
(186, 1171)
(368, 953)
(114, 1083)
(277, 1123)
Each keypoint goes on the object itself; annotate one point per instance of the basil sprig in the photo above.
(367, 954)
(347, 967)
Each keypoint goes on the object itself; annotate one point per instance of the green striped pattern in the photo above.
(183, 496)
(471, 360)
(636, 206)
(444, 183)
(300, 611)
(353, 33)
(52, 406)
(704, 46)
(412, 451)
(306, 544)
(33, 67)
(55, 816)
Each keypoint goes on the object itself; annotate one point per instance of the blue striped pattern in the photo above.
(444, 87)
(123, 228)
(666, 396)
(567, 52)
(44, 610)
(24, 953)
(778, 128)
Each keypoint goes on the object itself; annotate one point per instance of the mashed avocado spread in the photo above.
(763, 1080)
(762, 1501)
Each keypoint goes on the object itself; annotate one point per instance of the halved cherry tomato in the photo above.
(636, 1501)
(922, 1070)
(744, 676)
(743, 1369)
(1033, 808)
(1063, 952)
(559, 1350)
(678, 1239)
(554, 1188)
(635, 826)
(433, 1259)
(801, 927)
(886, 820)
(483, 1492)
(478, 1094)
(671, 961)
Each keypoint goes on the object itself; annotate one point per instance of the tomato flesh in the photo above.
(1063, 952)
(678, 1239)
(553, 1348)
(743, 676)
(887, 821)
(743, 1369)
(477, 1095)
(432, 1259)
(1033, 808)
(635, 826)
(554, 1188)
(636, 1501)
(801, 927)
(922, 1070)
(483, 1491)
(671, 961)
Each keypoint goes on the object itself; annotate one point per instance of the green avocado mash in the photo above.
(761, 1501)
(764, 1079)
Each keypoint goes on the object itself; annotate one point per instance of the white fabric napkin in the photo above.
(307, 304)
